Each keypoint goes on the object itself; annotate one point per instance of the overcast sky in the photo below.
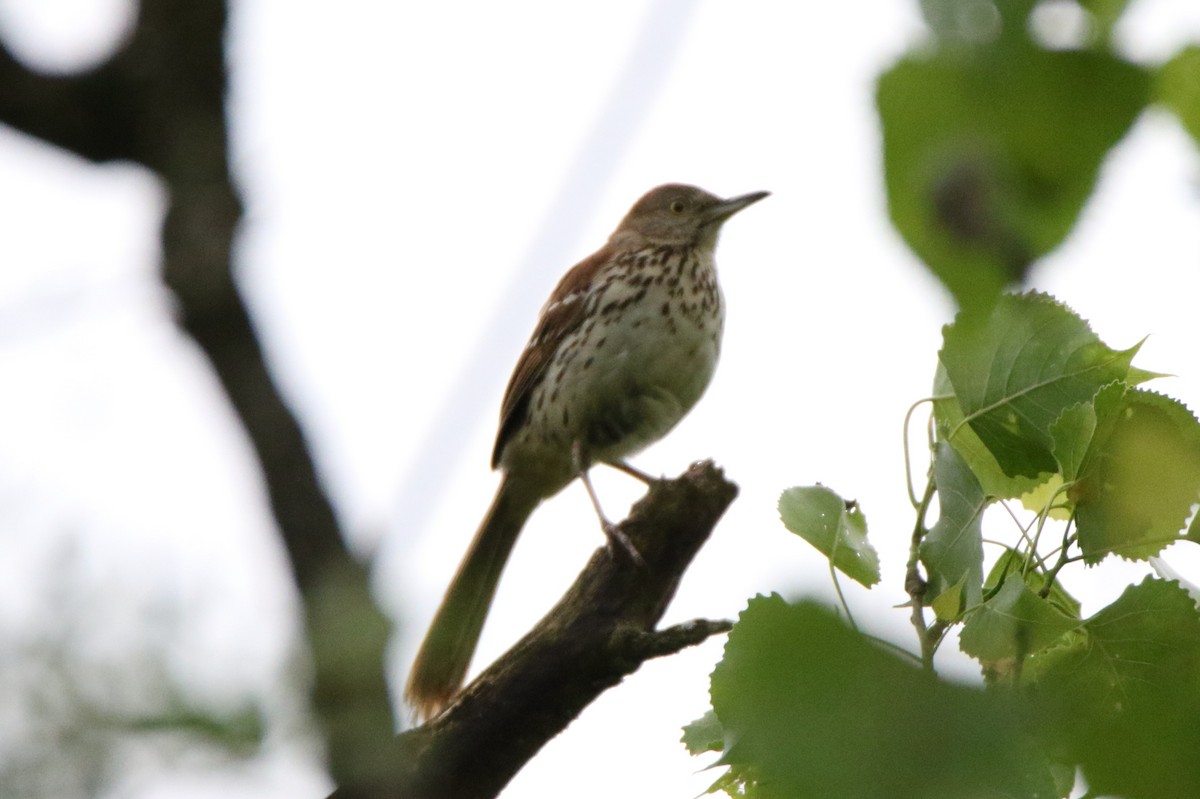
(417, 176)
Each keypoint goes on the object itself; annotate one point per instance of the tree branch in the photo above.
(160, 101)
(86, 114)
(601, 630)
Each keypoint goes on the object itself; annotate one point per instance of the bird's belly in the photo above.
(639, 379)
(625, 376)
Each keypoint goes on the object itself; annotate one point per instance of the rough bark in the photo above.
(601, 630)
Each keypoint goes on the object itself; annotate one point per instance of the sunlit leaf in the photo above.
(1141, 475)
(1049, 498)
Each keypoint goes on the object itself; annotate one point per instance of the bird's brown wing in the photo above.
(562, 313)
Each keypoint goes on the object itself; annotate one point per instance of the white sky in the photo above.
(417, 176)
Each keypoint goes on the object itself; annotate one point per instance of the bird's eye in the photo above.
(677, 207)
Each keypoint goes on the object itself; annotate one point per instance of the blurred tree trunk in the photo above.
(159, 101)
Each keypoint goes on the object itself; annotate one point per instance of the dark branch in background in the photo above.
(160, 102)
(602, 630)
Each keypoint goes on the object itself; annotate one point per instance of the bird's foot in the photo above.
(635, 473)
(617, 540)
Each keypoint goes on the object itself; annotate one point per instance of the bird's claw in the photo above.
(617, 540)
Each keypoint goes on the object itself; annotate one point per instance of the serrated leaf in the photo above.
(822, 518)
(1017, 368)
(1125, 699)
(990, 153)
(1138, 376)
(705, 734)
(1012, 624)
(1168, 573)
(952, 550)
(1140, 477)
(948, 416)
(734, 784)
(1071, 435)
(1177, 86)
(819, 710)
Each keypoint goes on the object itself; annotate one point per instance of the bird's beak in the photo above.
(727, 208)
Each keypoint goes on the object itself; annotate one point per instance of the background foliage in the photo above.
(993, 139)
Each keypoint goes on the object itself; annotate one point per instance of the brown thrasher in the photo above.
(623, 349)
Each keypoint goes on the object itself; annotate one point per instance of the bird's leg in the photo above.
(616, 538)
(633, 472)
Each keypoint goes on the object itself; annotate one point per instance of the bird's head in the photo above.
(679, 215)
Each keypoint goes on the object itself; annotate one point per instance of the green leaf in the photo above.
(991, 152)
(1016, 368)
(1050, 498)
(1177, 87)
(1105, 13)
(1013, 562)
(949, 603)
(818, 710)
(837, 530)
(705, 734)
(948, 417)
(1013, 624)
(1070, 435)
(952, 550)
(1140, 476)
(1124, 701)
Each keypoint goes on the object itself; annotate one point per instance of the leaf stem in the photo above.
(915, 585)
(912, 495)
(837, 586)
(1063, 559)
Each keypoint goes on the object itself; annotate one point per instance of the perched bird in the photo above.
(623, 349)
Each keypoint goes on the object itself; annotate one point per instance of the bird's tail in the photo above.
(441, 663)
